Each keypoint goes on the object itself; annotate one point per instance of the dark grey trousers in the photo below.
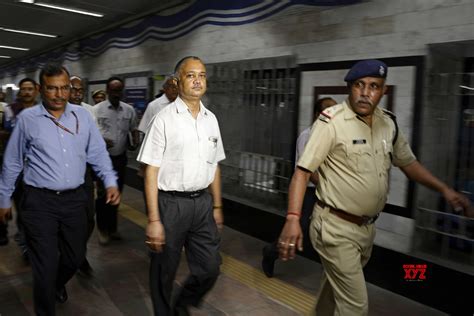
(188, 222)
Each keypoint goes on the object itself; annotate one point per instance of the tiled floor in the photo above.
(120, 286)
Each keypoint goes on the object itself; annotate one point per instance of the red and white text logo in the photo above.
(414, 272)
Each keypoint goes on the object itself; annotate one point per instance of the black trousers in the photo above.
(188, 222)
(56, 230)
(89, 188)
(106, 214)
(306, 212)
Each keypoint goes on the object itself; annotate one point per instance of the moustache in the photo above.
(59, 100)
(365, 101)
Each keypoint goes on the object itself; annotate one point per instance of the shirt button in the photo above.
(64, 150)
(62, 135)
(67, 181)
(66, 165)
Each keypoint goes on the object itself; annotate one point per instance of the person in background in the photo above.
(116, 120)
(170, 93)
(26, 98)
(270, 252)
(98, 96)
(76, 97)
(181, 151)
(352, 146)
(51, 144)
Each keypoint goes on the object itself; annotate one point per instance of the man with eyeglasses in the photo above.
(352, 145)
(51, 144)
(77, 97)
(170, 94)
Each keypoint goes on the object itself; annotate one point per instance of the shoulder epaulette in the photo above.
(394, 119)
(330, 112)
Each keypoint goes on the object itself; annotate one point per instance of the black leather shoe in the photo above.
(268, 262)
(61, 295)
(181, 311)
(3, 240)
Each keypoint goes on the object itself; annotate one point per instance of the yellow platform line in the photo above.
(282, 292)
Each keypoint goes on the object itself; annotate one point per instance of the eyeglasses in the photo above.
(54, 89)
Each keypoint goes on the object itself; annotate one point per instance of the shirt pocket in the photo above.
(212, 149)
(359, 158)
(124, 123)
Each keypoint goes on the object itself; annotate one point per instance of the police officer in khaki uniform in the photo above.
(352, 146)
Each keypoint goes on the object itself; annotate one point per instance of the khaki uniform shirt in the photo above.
(354, 159)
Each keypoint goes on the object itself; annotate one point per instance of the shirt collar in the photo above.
(42, 110)
(110, 106)
(181, 107)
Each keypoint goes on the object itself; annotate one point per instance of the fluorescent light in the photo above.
(13, 47)
(4, 56)
(57, 7)
(26, 32)
(466, 87)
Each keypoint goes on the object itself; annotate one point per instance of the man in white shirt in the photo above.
(170, 90)
(77, 97)
(116, 119)
(77, 94)
(270, 251)
(182, 149)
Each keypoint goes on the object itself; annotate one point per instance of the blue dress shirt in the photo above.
(53, 156)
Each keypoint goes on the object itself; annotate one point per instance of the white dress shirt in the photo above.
(153, 107)
(89, 109)
(187, 150)
(115, 124)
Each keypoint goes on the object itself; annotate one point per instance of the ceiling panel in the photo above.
(69, 26)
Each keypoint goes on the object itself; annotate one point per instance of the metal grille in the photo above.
(443, 232)
(254, 101)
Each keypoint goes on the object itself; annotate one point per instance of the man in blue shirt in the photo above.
(51, 144)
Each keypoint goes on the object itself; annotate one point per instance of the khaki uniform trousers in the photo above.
(344, 249)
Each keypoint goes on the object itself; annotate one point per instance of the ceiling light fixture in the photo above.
(4, 56)
(57, 7)
(26, 32)
(13, 47)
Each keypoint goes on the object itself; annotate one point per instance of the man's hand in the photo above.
(112, 196)
(219, 218)
(5, 214)
(155, 236)
(290, 238)
(459, 202)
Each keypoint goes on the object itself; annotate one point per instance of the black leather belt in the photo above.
(64, 192)
(184, 194)
(358, 220)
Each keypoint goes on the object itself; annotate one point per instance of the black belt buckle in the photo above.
(195, 194)
(369, 220)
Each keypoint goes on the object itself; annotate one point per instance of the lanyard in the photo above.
(64, 127)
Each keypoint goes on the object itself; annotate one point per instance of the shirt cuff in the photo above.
(5, 202)
(108, 183)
